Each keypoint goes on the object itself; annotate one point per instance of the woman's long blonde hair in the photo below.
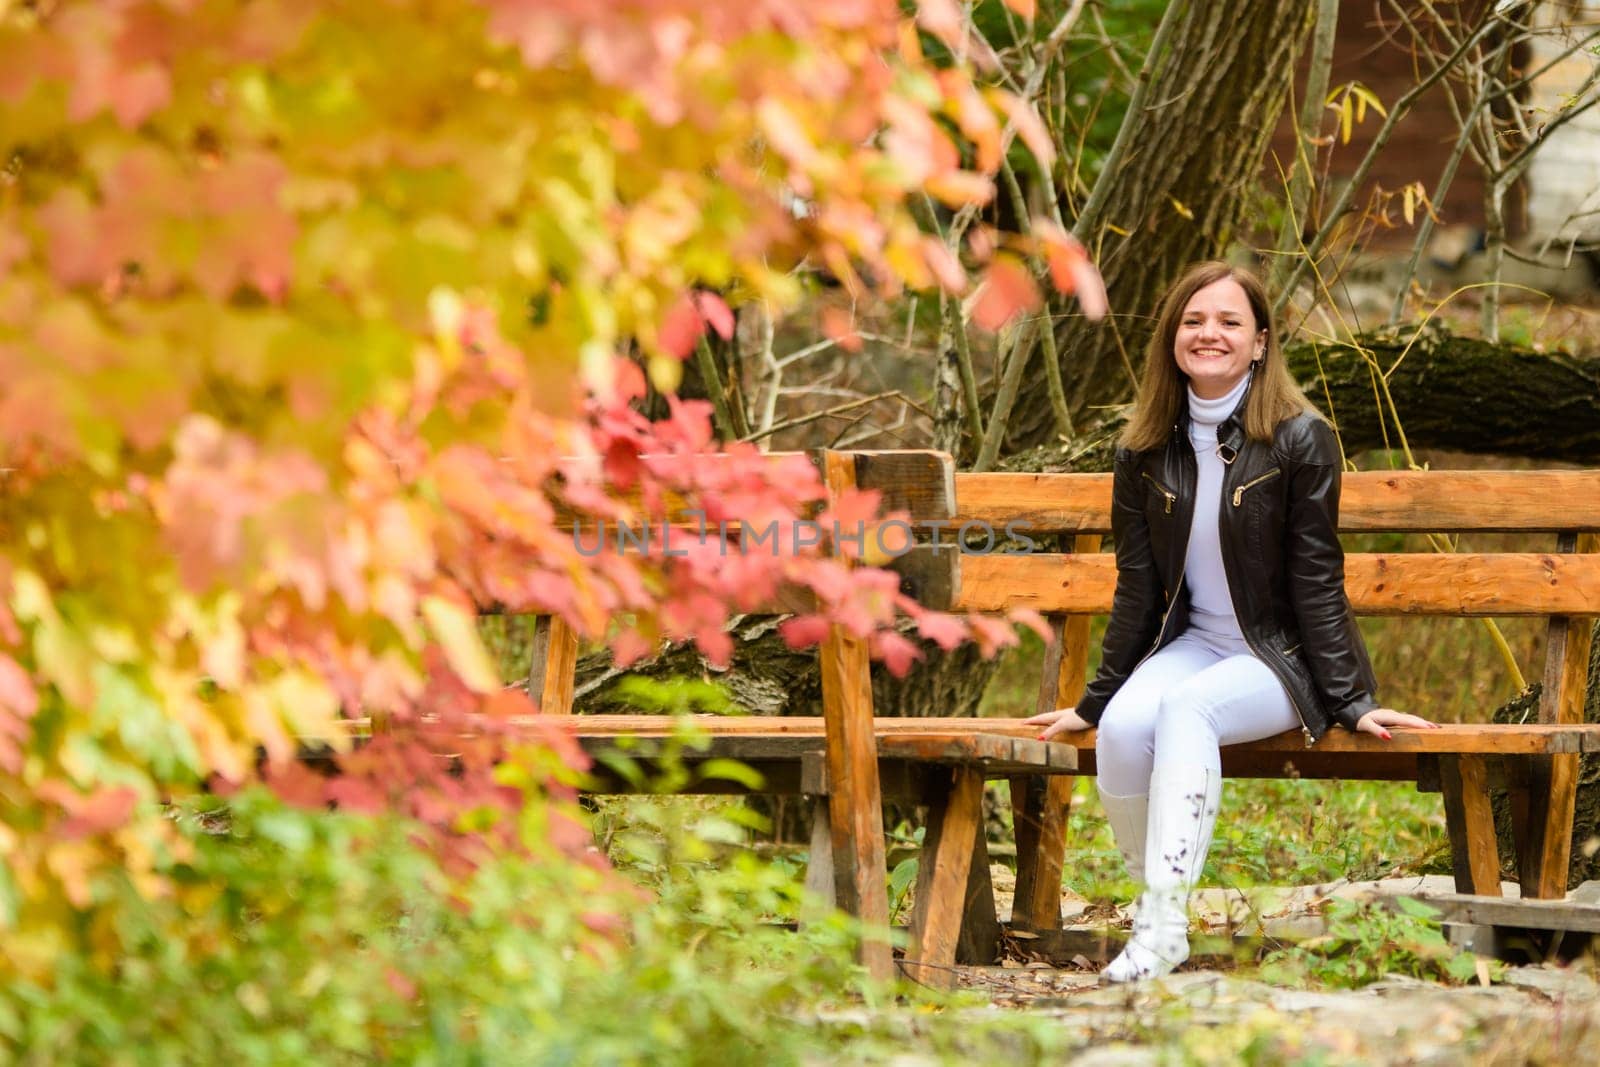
(1274, 396)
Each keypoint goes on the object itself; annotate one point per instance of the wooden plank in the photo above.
(1469, 822)
(819, 859)
(1495, 584)
(1074, 670)
(1370, 501)
(920, 483)
(553, 664)
(953, 821)
(1490, 739)
(1524, 914)
(855, 802)
(1495, 739)
(1551, 800)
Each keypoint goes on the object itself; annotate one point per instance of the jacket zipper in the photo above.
(1165, 615)
(1177, 587)
(1238, 500)
(1170, 496)
(1238, 494)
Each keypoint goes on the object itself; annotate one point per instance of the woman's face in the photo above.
(1217, 338)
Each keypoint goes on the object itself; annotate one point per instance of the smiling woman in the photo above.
(1230, 621)
(1218, 339)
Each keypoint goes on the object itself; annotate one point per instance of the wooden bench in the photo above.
(851, 760)
(1535, 762)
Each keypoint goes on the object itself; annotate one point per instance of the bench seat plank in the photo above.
(995, 754)
(1489, 739)
(1501, 739)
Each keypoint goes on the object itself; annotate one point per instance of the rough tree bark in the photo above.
(1174, 188)
(1457, 393)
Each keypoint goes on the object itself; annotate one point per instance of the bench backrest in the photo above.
(1068, 578)
(1075, 580)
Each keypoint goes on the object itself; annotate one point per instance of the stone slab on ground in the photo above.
(1538, 1014)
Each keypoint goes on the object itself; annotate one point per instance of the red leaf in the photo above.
(1032, 620)
(102, 810)
(140, 93)
(715, 312)
(897, 653)
(945, 266)
(1071, 271)
(803, 631)
(17, 692)
(839, 326)
(991, 633)
(1008, 290)
(942, 629)
(680, 328)
(1029, 126)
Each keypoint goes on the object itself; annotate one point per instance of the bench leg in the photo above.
(1469, 820)
(819, 865)
(980, 926)
(1541, 811)
(955, 817)
(1039, 808)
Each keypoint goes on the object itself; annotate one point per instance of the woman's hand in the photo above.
(1378, 720)
(1056, 722)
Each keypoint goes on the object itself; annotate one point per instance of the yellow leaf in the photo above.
(1346, 119)
(1367, 96)
(665, 373)
(456, 630)
(1181, 208)
(1409, 205)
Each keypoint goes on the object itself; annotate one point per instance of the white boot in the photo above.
(1184, 798)
(1128, 818)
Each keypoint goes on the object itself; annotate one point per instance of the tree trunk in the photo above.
(1457, 393)
(767, 677)
(1174, 190)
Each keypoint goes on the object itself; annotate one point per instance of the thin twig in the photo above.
(1398, 111)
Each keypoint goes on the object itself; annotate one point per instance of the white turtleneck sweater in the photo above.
(1210, 606)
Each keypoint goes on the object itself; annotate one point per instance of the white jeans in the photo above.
(1182, 705)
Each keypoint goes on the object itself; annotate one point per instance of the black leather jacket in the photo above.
(1281, 552)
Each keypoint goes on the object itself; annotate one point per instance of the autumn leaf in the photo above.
(1008, 290)
(1070, 269)
(455, 628)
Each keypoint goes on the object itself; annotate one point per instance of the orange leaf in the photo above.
(1030, 127)
(1070, 269)
(959, 187)
(839, 326)
(945, 266)
(1007, 289)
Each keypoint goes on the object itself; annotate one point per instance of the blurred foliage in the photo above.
(1370, 940)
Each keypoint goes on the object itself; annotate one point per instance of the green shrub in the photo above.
(325, 937)
(1369, 940)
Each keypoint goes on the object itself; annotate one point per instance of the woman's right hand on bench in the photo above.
(1060, 721)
